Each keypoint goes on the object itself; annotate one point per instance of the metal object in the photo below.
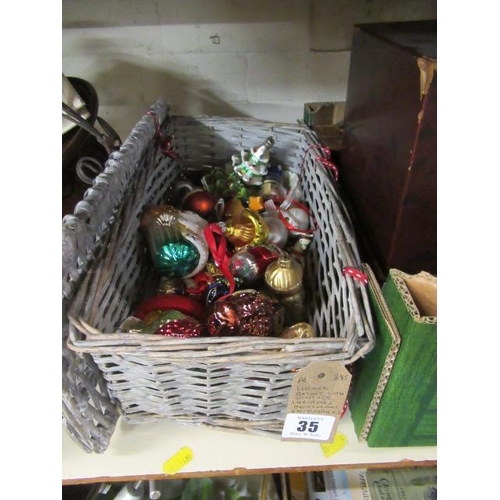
(154, 491)
(88, 168)
(131, 491)
(108, 140)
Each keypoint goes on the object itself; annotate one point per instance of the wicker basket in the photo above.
(238, 383)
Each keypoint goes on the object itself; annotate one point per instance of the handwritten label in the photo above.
(319, 389)
(178, 461)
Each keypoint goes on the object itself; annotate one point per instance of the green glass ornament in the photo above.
(175, 240)
(177, 258)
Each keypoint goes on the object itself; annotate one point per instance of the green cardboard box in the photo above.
(394, 388)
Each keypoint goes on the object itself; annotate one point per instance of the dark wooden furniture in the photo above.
(389, 164)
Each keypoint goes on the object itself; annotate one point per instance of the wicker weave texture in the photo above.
(88, 414)
(241, 382)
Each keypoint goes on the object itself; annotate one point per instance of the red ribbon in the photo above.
(291, 227)
(165, 142)
(356, 274)
(322, 159)
(219, 251)
(330, 165)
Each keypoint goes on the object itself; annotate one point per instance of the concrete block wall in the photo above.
(255, 58)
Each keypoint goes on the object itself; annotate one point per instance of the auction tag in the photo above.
(304, 426)
(317, 398)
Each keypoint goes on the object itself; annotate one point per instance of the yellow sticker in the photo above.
(335, 446)
(176, 462)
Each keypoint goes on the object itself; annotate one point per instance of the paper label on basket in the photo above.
(318, 390)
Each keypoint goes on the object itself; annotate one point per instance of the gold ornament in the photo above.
(284, 276)
(244, 228)
(284, 279)
(300, 330)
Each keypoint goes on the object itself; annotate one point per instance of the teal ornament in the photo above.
(177, 258)
(175, 239)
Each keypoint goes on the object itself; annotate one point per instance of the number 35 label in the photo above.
(305, 426)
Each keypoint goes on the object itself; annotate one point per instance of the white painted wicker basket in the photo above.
(236, 383)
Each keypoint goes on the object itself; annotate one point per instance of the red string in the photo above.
(291, 227)
(322, 159)
(356, 274)
(330, 165)
(219, 251)
(165, 142)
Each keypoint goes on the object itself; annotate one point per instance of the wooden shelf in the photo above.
(139, 451)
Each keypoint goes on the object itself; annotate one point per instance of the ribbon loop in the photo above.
(165, 142)
(356, 274)
(219, 251)
(329, 165)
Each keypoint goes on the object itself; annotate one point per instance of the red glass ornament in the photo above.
(199, 201)
(162, 302)
(247, 312)
(181, 328)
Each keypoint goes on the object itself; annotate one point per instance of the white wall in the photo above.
(256, 58)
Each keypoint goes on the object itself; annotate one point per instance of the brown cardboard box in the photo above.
(325, 119)
(323, 113)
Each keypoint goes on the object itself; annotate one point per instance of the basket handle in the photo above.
(107, 141)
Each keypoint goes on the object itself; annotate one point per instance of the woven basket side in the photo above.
(88, 414)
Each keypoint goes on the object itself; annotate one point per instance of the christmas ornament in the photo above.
(232, 207)
(275, 173)
(170, 301)
(250, 264)
(246, 312)
(283, 277)
(200, 202)
(169, 323)
(256, 203)
(296, 219)
(170, 285)
(225, 185)
(216, 290)
(183, 327)
(245, 228)
(188, 196)
(175, 240)
(299, 248)
(272, 189)
(251, 165)
(278, 233)
(197, 285)
(217, 244)
(300, 330)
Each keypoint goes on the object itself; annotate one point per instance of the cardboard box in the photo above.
(394, 388)
(330, 136)
(323, 113)
(325, 119)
